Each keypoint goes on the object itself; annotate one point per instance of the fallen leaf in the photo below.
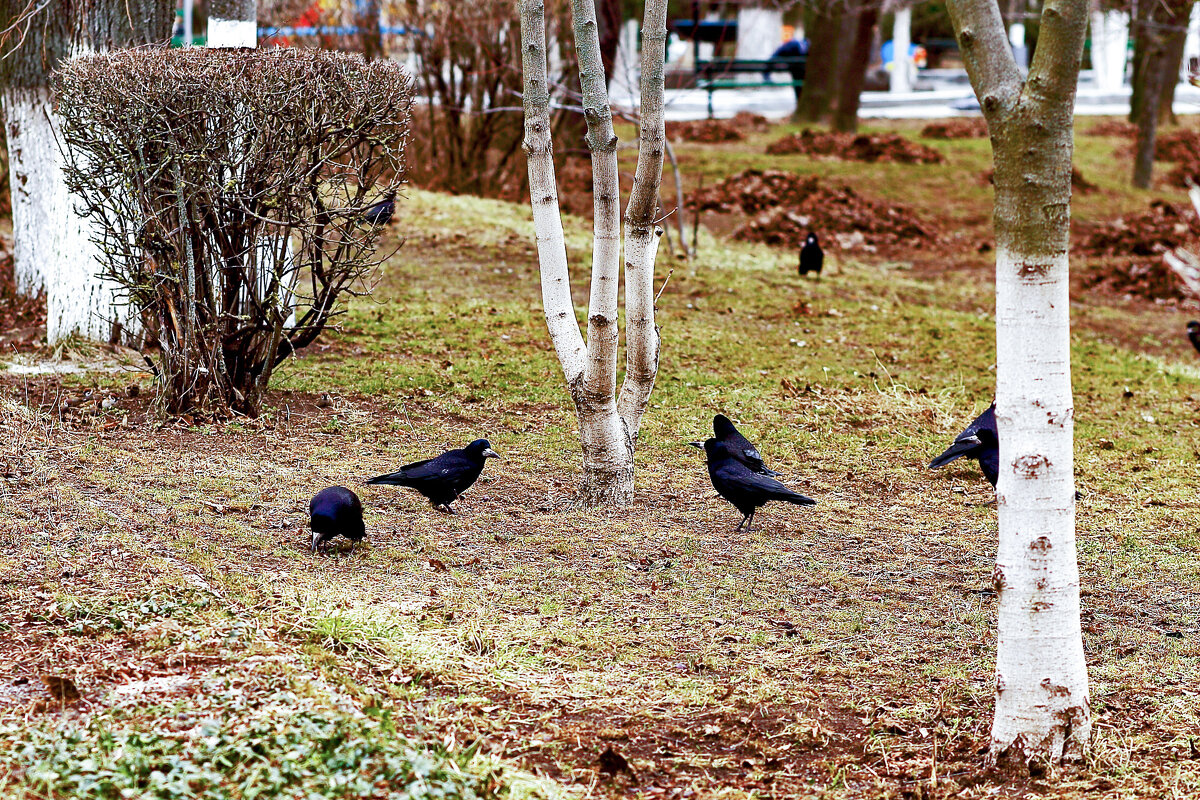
(61, 689)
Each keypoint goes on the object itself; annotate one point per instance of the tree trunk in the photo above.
(1147, 132)
(854, 75)
(52, 245)
(232, 23)
(821, 71)
(1042, 705)
(1172, 62)
(607, 425)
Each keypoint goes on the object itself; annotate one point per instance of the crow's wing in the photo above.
(738, 480)
(417, 471)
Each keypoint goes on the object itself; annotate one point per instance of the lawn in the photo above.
(840, 651)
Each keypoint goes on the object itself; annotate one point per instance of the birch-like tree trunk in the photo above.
(608, 425)
(1042, 705)
(232, 23)
(52, 246)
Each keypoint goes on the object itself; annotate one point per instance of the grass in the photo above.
(842, 651)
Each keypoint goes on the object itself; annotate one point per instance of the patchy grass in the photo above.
(841, 651)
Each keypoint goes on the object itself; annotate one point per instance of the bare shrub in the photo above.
(228, 191)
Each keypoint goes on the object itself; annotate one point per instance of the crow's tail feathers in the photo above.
(961, 447)
(797, 499)
(391, 479)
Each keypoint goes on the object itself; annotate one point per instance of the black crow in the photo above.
(739, 446)
(812, 257)
(980, 442)
(444, 478)
(747, 490)
(381, 212)
(336, 511)
(1193, 330)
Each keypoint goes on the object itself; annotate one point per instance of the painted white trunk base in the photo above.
(1042, 703)
(232, 32)
(52, 246)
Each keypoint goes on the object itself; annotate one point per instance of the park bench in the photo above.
(722, 73)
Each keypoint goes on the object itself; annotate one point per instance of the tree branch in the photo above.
(1054, 74)
(543, 195)
(986, 54)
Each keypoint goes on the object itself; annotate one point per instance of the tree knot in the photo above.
(1031, 466)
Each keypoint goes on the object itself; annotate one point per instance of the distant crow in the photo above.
(980, 442)
(739, 446)
(812, 257)
(381, 212)
(1193, 333)
(746, 490)
(444, 478)
(336, 511)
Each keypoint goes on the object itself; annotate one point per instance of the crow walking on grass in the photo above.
(444, 478)
(381, 213)
(1193, 334)
(812, 257)
(336, 511)
(746, 490)
(739, 446)
(980, 442)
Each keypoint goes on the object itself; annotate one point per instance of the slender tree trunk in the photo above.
(858, 56)
(1172, 62)
(1147, 122)
(1042, 705)
(821, 72)
(608, 425)
(53, 247)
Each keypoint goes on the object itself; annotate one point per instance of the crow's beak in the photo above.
(697, 445)
(315, 541)
(490, 453)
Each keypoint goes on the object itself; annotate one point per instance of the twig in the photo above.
(670, 272)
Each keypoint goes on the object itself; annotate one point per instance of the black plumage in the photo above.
(739, 446)
(336, 511)
(746, 490)
(980, 442)
(812, 257)
(381, 212)
(444, 478)
(1193, 334)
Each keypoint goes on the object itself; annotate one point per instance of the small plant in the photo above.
(229, 193)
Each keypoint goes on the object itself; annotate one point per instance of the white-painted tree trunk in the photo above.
(900, 79)
(52, 245)
(1043, 711)
(759, 31)
(1042, 705)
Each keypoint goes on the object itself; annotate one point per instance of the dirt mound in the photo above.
(1185, 173)
(785, 206)
(962, 128)
(749, 121)
(874, 147)
(1112, 127)
(1179, 145)
(706, 131)
(1125, 255)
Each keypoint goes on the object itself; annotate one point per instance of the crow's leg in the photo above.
(745, 519)
(750, 521)
(353, 544)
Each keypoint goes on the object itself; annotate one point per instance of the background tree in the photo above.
(608, 424)
(840, 35)
(1042, 706)
(1159, 34)
(52, 248)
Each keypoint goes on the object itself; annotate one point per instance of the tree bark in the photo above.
(52, 245)
(1147, 122)
(821, 71)
(1042, 705)
(1172, 63)
(608, 425)
(854, 73)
